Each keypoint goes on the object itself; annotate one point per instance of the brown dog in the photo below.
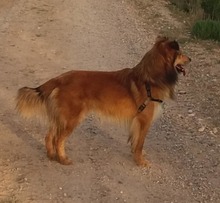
(122, 95)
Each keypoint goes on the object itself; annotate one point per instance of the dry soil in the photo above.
(40, 39)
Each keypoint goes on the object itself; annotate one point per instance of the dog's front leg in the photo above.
(139, 128)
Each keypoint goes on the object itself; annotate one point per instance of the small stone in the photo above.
(215, 130)
(191, 114)
(182, 92)
(201, 129)
(211, 132)
(180, 116)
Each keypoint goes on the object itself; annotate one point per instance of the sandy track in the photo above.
(41, 39)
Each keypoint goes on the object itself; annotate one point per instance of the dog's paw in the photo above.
(65, 161)
(52, 156)
(141, 161)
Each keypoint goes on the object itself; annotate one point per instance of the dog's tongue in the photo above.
(181, 70)
(184, 72)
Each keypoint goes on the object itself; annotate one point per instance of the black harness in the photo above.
(150, 98)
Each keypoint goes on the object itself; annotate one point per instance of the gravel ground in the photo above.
(40, 39)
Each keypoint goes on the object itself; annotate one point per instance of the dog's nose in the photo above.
(190, 59)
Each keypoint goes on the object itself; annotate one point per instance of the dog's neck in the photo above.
(148, 89)
(148, 82)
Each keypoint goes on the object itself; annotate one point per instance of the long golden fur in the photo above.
(66, 99)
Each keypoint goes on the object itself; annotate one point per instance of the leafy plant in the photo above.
(211, 8)
(187, 5)
(207, 29)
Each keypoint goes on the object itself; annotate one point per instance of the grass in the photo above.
(207, 29)
(211, 9)
(204, 17)
(187, 5)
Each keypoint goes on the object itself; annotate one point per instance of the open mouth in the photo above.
(180, 69)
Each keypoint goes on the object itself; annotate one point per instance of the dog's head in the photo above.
(171, 54)
(162, 64)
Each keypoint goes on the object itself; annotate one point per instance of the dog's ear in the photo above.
(174, 45)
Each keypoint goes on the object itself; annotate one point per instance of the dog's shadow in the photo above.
(32, 134)
(27, 131)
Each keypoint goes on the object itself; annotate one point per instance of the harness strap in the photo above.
(147, 85)
(150, 98)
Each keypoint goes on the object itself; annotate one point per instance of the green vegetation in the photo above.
(207, 29)
(186, 5)
(207, 17)
(211, 9)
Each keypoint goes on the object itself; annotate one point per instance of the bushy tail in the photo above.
(30, 103)
(34, 102)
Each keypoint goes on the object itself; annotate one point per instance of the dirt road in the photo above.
(40, 39)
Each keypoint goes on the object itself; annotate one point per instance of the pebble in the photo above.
(215, 130)
(212, 133)
(180, 116)
(191, 114)
(201, 129)
(182, 92)
(190, 111)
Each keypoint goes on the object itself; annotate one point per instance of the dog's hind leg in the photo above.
(50, 144)
(60, 146)
(73, 120)
(139, 128)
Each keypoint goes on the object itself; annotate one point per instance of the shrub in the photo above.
(205, 14)
(207, 29)
(187, 5)
(182, 5)
(211, 8)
